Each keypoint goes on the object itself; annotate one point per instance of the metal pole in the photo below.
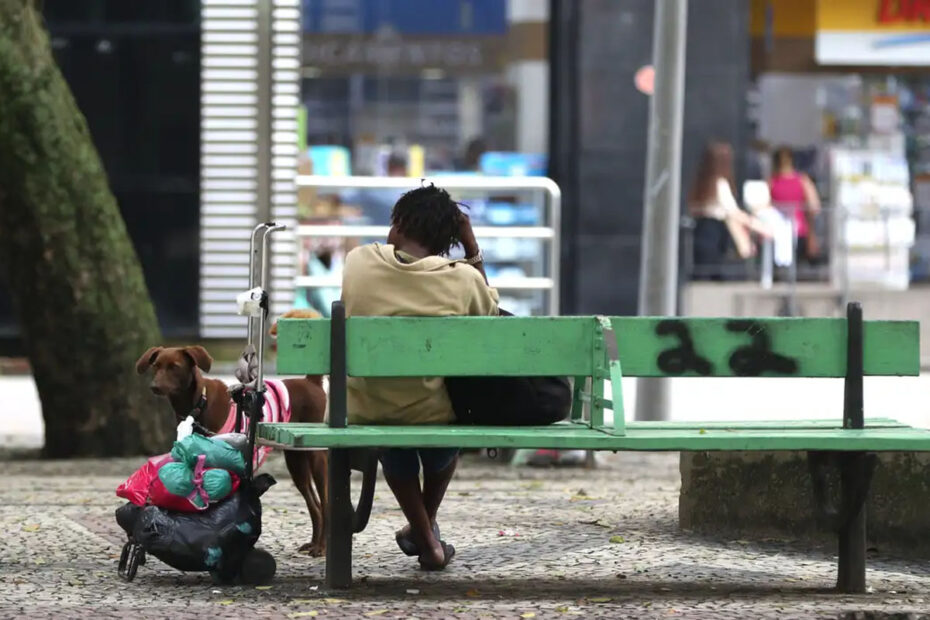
(658, 279)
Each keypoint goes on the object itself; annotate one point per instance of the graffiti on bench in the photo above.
(682, 358)
(753, 359)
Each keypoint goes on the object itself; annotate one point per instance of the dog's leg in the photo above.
(319, 466)
(298, 464)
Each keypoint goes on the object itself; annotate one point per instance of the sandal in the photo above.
(448, 553)
(408, 545)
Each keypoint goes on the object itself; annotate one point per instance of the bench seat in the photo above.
(827, 435)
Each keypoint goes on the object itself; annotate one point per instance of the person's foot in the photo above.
(438, 556)
(407, 543)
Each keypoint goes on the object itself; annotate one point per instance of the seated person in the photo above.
(412, 276)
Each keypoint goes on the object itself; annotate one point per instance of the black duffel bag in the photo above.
(509, 401)
(220, 539)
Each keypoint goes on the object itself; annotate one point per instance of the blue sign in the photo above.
(414, 17)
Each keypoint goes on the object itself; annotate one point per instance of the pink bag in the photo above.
(136, 488)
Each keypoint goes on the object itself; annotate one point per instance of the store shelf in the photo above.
(488, 232)
(521, 254)
(504, 284)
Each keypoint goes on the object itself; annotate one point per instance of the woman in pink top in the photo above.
(795, 195)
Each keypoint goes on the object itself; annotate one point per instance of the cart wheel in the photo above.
(132, 557)
(258, 568)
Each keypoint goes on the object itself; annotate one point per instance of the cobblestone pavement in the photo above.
(531, 543)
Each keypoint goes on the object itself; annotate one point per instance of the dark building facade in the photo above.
(134, 69)
(599, 128)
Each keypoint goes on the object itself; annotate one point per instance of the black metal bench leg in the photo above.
(855, 478)
(339, 521)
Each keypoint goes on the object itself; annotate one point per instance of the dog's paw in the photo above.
(314, 550)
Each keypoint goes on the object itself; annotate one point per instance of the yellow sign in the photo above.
(873, 15)
(873, 32)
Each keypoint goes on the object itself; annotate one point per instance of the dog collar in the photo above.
(200, 407)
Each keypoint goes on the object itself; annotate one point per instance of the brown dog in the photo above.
(178, 377)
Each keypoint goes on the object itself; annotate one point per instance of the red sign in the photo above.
(893, 11)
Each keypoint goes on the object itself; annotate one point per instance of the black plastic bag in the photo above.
(509, 401)
(217, 540)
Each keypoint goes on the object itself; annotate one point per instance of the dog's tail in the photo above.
(298, 313)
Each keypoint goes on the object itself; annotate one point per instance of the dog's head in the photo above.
(175, 368)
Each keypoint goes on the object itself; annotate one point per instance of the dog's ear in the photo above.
(147, 359)
(199, 355)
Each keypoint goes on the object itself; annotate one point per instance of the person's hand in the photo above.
(467, 236)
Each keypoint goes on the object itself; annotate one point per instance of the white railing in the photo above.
(548, 233)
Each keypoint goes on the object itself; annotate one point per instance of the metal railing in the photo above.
(548, 233)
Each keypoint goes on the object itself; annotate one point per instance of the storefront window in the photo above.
(414, 88)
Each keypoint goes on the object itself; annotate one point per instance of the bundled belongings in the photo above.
(198, 471)
(195, 510)
(220, 539)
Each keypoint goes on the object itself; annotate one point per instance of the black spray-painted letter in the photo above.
(756, 358)
(683, 358)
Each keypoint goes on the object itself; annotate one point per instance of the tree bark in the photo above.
(79, 293)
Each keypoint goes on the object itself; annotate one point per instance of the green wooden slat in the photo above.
(820, 423)
(303, 347)
(465, 346)
(818, 346)
(572, 436)
(562, 345)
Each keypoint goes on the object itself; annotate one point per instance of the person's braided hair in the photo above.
(429, 216)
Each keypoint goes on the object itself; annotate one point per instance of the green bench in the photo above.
(595, 350)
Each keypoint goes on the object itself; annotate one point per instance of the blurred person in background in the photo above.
(720, 224)
(795, 195)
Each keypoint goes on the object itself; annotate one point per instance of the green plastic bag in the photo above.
(178, 480)
(219, 453)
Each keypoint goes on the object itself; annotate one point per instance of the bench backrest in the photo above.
(596, 349)
(575, 346)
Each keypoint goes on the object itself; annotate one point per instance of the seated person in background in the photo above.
(412, 276)
(719, 221)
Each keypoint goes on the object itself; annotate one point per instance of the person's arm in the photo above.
(811, 197)
(726, 198)
(470, 245)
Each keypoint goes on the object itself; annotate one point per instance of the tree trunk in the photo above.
(78, 289)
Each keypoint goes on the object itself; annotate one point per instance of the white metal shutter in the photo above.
(285, 90)
(229, 155)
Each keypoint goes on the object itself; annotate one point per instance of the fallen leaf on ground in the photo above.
(528, 614)
(472, 593)
(377, 612)
(602, 599)
(228, 601)
(303, 614)
(413, 591)
(33, 527)
(262, 587)
(617, 539)
(334, 601)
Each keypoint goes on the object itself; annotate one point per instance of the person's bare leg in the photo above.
(410, 498)
(434, 489)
